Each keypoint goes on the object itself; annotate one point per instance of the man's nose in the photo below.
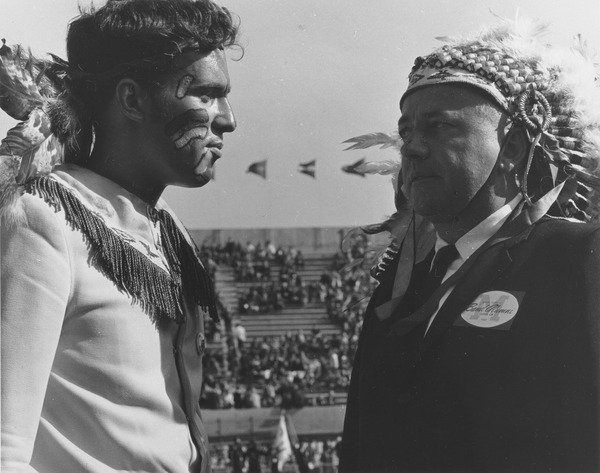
(224, 121)
(415, 146)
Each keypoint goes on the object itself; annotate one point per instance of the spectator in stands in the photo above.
(237, 456)
(254, 400)
(299, 260)
(269, 395)
(271, 250)
(227, 396)
(239, 333)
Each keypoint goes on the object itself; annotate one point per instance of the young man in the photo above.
(103, 297)
(480, 351)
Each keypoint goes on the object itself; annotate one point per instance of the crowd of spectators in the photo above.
(298, 369)
(253, 262)
(239, 457)
(290, 291)
(314, 455)
(294, 370)
(346, 287)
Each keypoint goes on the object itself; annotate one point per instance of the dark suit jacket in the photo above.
(519, 397)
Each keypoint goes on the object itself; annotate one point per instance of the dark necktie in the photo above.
(441, 261)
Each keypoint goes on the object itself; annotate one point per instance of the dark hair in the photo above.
(126, 38)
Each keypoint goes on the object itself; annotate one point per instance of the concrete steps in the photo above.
(288, 319)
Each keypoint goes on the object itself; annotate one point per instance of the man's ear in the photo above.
(131, 97)
(514, 149)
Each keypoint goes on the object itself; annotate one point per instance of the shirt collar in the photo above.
(482, 232)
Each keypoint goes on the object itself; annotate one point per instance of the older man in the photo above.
(480, 351)
(103, 297)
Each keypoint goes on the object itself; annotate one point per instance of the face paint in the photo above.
(188, 126)
(183, 86)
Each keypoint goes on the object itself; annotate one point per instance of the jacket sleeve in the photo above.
(581, 392)
(35, 287)
(349, 447)
(349, 452)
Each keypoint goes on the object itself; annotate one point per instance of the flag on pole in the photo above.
(308, 168)
(281, 444)
(259, 168)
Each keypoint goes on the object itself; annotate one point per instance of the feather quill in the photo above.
(379, 167)
(383, 140)
(28, 150)
(23, 83)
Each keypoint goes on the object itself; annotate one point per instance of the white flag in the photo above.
(281, 444)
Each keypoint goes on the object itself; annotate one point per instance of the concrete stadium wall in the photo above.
(227, 424)
(313, 239)
(308, 239)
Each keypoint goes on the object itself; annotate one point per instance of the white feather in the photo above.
(380, 167)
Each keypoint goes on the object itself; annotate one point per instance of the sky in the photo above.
(314, 73)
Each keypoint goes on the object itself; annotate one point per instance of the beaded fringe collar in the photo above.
(159, 293)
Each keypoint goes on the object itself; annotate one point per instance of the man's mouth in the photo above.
(215, 152)
(208, 159)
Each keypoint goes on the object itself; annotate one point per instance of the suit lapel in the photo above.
(490, 265)
(489, 261)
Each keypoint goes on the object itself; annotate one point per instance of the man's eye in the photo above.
(439, 125)
(205, 98)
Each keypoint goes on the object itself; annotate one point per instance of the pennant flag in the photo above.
(355, 168)
(259, 168)
(308, 168)
(281, 444)
(383, 140)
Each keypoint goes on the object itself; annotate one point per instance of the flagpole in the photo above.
(282, 444)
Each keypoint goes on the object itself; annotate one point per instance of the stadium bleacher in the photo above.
(289, 332)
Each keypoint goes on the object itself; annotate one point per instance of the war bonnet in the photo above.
(552, 93)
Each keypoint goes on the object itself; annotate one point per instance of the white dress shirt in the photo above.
(470, 242)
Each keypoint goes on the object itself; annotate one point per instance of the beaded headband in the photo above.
(497, 73)
(522, 86)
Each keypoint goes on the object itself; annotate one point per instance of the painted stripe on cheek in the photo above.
(183, 86)
(196, 117)
(188, 136)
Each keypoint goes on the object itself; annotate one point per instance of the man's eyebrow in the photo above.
(211, 87)
(428, 116)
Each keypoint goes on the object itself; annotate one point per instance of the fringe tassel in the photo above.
(159, 293)
(185, 263)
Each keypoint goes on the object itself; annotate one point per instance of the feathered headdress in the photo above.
(30, 148)
(552, 93)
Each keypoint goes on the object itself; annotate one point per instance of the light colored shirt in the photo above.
(471, 241)
(88, 383)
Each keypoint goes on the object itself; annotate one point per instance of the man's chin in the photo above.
(203, 178)
(194, 180)
(431, 211)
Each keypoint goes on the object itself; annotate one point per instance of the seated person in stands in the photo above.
(299, 260)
